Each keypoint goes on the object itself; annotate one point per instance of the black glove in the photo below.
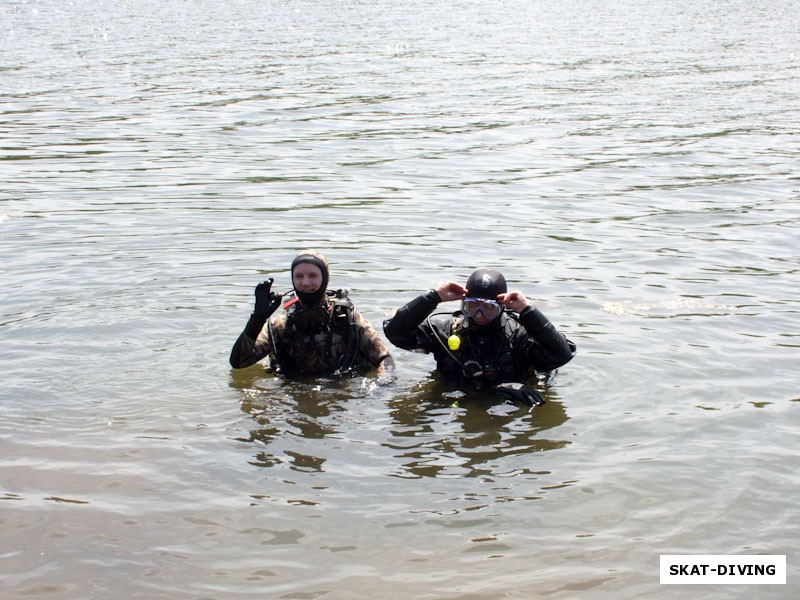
(520, 393)
(267, 301)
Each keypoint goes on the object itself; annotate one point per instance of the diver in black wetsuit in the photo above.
(496, 340)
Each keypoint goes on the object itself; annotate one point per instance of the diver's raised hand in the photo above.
(451, 291)
(267, 301)
(515, 301)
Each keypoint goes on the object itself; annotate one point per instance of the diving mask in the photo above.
(488, 308)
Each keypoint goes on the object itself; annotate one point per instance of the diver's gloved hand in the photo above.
(267, 301)
(519, 393)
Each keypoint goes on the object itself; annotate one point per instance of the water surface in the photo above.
(631, 167)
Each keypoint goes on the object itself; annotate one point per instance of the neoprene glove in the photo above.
(267, 301)
(520, 393)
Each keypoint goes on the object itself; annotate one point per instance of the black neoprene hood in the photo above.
(486, 283)
(319, 261)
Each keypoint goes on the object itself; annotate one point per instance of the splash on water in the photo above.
(681, 307)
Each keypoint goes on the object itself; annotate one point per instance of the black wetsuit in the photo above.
(509, 349)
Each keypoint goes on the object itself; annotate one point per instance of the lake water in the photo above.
(631, 166)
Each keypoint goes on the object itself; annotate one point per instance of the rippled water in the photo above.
(630, 166)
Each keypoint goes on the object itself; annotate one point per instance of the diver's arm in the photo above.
(403, 328)
(386, 368)
(253, 344)
(551, 349)
(372, 347)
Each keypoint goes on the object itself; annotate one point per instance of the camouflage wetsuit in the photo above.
(321, 349)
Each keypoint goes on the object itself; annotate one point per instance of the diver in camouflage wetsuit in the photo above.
(319, 334)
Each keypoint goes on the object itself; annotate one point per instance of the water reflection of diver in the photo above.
(483, 345)
(320, 332)
(432, 438)
(289, 415)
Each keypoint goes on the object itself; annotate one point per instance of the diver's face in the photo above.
(306, 278)
(480, 319)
